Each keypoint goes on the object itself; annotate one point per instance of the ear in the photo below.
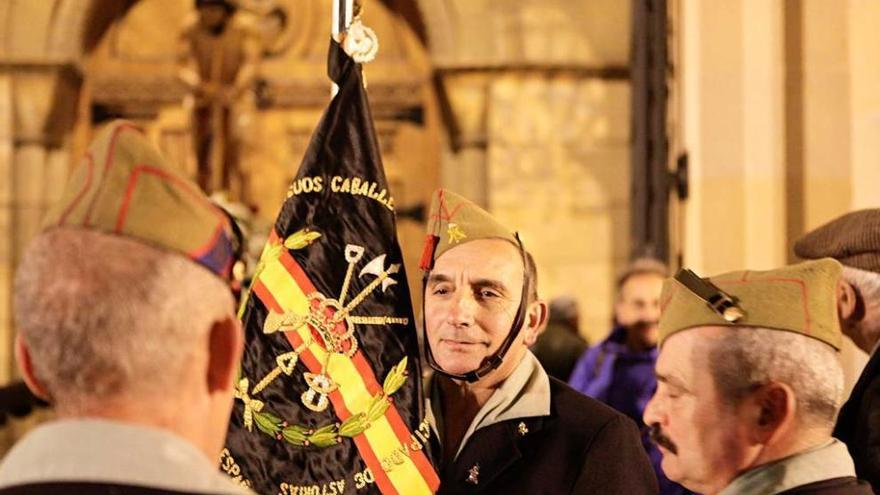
(225, 345)
(536, 322)
(846, 300)
(774, 408)
(26, 366)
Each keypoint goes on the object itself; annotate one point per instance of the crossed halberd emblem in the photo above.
(332, 323)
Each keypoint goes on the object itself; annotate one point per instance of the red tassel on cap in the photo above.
(427, 261)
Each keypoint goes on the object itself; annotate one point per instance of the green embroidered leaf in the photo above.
(395, 378)
(294, 434)
(301, 239)
(324, 439)
(354, 425)
(377, 408)
(267, 422)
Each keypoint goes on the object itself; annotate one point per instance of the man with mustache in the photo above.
(619, 371)
(503, 425)
(750, 382)
(854, 240)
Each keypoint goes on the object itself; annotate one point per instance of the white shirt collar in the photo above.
(524, 394)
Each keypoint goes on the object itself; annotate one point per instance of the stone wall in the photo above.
(558, 170)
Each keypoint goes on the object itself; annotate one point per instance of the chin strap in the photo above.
(490, 362)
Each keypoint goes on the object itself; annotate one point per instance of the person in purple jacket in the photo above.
(619, 371)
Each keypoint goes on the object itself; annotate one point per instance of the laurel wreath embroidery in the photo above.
(333, 433)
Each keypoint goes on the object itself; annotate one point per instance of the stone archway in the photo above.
(52, 69)
(537, 105)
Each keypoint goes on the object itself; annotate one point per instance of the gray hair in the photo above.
(745, 358)
(867, 282)
(104, 316)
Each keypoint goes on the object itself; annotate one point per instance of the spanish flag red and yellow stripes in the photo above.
(387, 445)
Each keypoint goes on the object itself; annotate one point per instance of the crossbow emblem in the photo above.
(332, 324)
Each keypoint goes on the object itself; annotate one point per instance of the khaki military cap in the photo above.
(853, 239)
(456, 220)
(798, 298)
(124, 186)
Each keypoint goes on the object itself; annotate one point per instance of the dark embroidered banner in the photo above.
(329, 397)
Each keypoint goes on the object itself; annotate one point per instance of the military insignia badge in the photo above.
(329, 397)
(455, 232)
(474, 475)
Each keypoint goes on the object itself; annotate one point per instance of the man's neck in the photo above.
(460, 402)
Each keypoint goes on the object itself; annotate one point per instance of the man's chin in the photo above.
(457, 366)
(670, 466)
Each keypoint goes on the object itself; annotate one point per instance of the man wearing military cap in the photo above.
(503, 425)
(749, 383)
(854, 240)
(127, 328)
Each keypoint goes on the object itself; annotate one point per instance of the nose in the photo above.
(650, 312)
(461, 314)
(652, 412)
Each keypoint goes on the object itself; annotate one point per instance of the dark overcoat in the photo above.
(582, 447)
(836, 486)
(858, 425)
(85, 488)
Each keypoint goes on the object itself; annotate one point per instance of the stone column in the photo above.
(6, 226)
(732, 126)
(37, 103)
(864, 64)
(464, 167)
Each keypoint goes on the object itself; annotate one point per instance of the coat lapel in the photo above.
(489, 453)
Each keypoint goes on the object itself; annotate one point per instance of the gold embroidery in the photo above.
(333, 433)
(315, 398)
(455, 233)
(324, 317)
(378, 320)
(355, 186)
(417, 442)
(230, 467)
(353, 255)
(332, 488)
(285, 362)
(250, 405)
(364, 478)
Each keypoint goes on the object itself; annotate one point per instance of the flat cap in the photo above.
(798, 298)
(853, 239)
(124, 186)
(456, 220)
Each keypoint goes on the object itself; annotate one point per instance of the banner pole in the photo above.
(341, 20)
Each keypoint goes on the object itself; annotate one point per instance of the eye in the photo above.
(668, 391)
(487, 294)
(440, 290)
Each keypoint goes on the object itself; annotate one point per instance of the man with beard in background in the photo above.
(619, 371)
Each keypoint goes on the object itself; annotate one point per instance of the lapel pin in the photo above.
(474, 474)
(522, 429)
